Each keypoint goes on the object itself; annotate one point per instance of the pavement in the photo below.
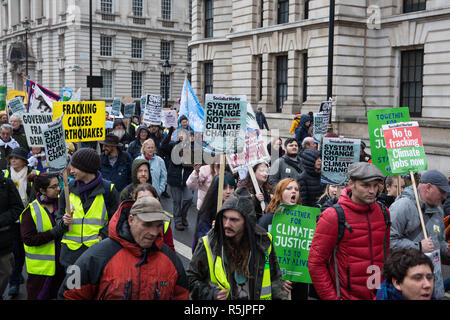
(183, 246)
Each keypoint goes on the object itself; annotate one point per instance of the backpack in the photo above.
(343, 224)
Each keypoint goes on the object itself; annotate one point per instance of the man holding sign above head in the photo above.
(351, 240)
(93, 202)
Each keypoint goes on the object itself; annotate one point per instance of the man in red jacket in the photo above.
(359, 256)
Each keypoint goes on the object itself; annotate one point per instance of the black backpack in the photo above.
(343, 224)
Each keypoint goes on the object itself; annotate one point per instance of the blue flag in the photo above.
(191, 108)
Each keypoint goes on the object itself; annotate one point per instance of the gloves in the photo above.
(59, 229)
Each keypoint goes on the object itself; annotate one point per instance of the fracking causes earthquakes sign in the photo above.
(32, 124)
(55, 145)
(83, 120)
(337, 155)
(376, 119)
(292, 229)
(404, 147)
(225, 123)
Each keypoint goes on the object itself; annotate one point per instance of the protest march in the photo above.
(208, 206)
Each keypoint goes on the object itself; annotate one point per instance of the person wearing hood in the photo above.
(339, 262)
(142, 134)
(119, 129)
(157, 166)
(406, 230)
(93, 202)
(183, 125)
(310, 186)
(133, 263)
(140, 174)
(235, 260)
(301, 132)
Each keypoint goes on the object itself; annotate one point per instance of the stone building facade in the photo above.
(131, 41)
(387, 53)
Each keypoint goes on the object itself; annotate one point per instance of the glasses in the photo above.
(55, 186)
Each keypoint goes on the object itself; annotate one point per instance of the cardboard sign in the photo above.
(170, 118)
(325, 109)
(15, 93)
(439, 290)
(115, 108)
(55, 145)
(143, 103)
(404, 147)
(83, 120)
(32, 124)
(320, 126)
(292, 229)
(225, 123)
(17, 106)
(376, 119)
(153, 110)
(40, 99)
(337, 155)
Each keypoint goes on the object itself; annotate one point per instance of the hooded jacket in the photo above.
(127, 193)
(118, 269)
(406, 229)
(134, 149)
(357, 252)
(198, 274)
(285, 167)
(309, 180)
(301, 132)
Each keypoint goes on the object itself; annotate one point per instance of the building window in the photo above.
(283, 11)
(61, 45)
(137, 79)
(138, 8)
(107, 90)
(166, 9)
(39, 48)
(136, 48)
(106, 6)
(189, 54)
(282, 81)
(411, 81)
(165, 51)
(209, 18)
(260, 77)
(208, 74)
(62, 78)
(306, 9)
(414, 5)
(305, 76)
(165, 81)
(106, 46)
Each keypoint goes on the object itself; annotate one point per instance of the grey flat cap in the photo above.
(364, 171)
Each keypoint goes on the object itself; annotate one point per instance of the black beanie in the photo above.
(86, 160)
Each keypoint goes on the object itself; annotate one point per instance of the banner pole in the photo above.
(256, 186)
(67, 195)
(418, 204)
(221, 179)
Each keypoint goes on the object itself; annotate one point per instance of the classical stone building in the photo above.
(131, 41)
(387, 53)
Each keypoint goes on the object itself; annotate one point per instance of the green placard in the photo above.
(376, 119)
(3, 91)
(292, 230)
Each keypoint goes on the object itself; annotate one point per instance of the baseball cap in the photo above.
(437, 178)
(149, 209)
(364, 171)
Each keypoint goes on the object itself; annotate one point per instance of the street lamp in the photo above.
(26, 26)
(166, 72)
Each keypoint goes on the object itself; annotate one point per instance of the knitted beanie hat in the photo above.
(86, 160)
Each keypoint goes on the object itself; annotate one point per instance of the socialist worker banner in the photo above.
(376, 119)
(404, 147)
(292, 232)
(82, 120)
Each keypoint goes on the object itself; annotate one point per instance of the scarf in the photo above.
(20, 180)
(84, 189)
(11, 143)
(43, 199)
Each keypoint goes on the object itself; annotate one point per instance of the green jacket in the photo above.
(200, 286)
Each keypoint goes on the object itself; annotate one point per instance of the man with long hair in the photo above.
(235, 260)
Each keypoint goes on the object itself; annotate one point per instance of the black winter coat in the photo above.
(10, 209)
(309, 180)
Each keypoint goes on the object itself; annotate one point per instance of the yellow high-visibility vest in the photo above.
(86, 226)
(40, 260)
(218, 275)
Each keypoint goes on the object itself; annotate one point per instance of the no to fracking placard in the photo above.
(404, 147)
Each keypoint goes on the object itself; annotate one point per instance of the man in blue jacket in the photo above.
(301, 132)
(115, 164)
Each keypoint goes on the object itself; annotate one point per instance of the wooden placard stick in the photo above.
(256, 186)
(221, 179)
(67, 195)
(418, 205)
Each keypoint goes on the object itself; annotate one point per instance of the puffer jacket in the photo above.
(406, 230)
(357, 251)
(200, 286)
(301, 132)
(118, 269)
(309, 180)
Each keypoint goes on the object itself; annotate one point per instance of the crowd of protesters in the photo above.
(116, 222)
